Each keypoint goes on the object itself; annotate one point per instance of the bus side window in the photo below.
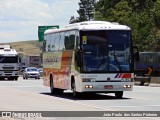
(57, 41)
(52, 42)
(61, 47)
(70, 40)
(48, 43)
(66, 39)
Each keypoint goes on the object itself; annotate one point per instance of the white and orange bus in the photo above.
(92, 57)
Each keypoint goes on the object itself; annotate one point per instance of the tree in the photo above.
(73, 20)
(86, 11)
(103, 9)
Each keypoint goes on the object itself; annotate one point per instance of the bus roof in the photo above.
(91, 25)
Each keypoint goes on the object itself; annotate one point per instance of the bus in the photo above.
(89, 57)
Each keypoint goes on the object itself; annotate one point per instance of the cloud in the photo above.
(19, 19)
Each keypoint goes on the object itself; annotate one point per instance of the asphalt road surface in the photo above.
(31, 95)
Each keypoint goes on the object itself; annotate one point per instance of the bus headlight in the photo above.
(89, 80)
(88, 86)
(127, 86)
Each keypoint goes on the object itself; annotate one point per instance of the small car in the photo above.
(31, 72)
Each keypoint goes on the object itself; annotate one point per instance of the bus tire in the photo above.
(119, 94)
(53, 90)
(75, 93)
(60, 91)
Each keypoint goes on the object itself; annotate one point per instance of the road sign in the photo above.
(41, 30)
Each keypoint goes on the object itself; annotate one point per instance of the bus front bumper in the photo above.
(106, 87)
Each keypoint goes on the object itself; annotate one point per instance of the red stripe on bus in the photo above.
(126, 75)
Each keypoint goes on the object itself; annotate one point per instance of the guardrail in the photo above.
(155, 80)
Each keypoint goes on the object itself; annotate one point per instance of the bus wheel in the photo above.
(119, 94)
(75, 93)
(52, 86)
(60, 91)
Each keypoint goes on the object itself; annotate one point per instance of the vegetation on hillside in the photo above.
(32, 47)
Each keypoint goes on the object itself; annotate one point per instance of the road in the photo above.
(31, 95)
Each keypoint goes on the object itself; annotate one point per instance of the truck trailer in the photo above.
(148, 66)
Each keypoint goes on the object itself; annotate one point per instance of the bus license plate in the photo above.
(108, 87)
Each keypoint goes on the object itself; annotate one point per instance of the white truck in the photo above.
(9, 63)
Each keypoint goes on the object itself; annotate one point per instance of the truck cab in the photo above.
(9, 63)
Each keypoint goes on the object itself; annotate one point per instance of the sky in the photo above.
(19, 19)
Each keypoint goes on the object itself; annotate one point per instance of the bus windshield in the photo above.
(106, 51)
(10, 59)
